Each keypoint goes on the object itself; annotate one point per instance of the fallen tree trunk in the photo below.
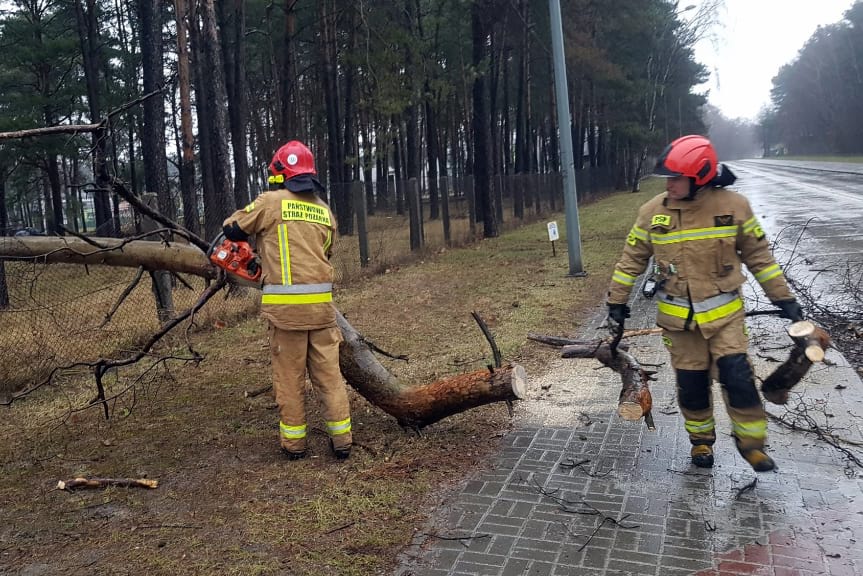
(635, 400)
(173, 257)
(413, 406)
(418, 406)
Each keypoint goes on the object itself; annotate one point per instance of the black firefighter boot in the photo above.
(702, 455)
(757, 458)
(294, 455)
(341, 453)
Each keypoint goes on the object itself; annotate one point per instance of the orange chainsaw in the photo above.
(236, 258)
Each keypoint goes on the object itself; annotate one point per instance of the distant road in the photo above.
(840, 167)
(813, 211)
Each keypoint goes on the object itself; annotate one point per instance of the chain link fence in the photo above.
(62, 314)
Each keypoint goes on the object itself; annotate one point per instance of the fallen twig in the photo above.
(257, 391)
(104, 482)
(490, 337)
(747, 488)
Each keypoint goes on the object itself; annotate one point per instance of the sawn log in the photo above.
(809, 344)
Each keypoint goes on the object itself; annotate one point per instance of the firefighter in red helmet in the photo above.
(294, 230)
(699, 234)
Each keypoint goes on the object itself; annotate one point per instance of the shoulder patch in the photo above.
(724, 220)
(661, 220)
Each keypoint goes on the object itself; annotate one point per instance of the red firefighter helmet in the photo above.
(692, 156)
(293, 159)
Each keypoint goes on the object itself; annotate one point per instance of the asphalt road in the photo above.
(813, 213)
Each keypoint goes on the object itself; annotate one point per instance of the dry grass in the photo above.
(227, 502)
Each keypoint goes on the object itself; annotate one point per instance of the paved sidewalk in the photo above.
(578, 491)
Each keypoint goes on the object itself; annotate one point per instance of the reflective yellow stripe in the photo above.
(756, 429)
(752, 226)
(305, 212)
(639, 233)
(673, 309)
(249, 207)
(329, 241)
(699, 426)
(296, 298)
(292, 432)
(623, 278)
(769, 273)
(340, 427)
(284, 254)
(694, 234)
(636, 234)
(719, 312)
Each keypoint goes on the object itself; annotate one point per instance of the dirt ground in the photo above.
(227, 501)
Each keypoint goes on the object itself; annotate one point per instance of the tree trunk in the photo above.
(212, 198)
(290, 90)
(4, 226)
(335, 153)
(153, 135)
(431, 155)
(481, 128)
(214, 93)
(88, 34)
(174, 257)
(418, 406)
(232, 23)
(191, 218)
(412, 405)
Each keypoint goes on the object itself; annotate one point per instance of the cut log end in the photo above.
(801, 329)
(630, 411)
(815, 353)
(519, 381)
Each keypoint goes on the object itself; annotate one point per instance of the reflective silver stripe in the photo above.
(703, 306)
(297, 288)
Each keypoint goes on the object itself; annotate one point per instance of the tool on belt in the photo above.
(235, 257)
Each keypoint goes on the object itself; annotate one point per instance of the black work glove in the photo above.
(790, 309)
(618, 313)
(234, 233)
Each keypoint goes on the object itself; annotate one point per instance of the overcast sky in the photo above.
(753, 39)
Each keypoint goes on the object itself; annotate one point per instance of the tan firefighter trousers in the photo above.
(698, 361)
(293, 352)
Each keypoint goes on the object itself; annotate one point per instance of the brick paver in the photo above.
(578, 491)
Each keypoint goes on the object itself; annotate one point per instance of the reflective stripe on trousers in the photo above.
(340, 427)
(700, 426)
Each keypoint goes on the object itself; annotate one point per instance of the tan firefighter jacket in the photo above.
(698, 246)
(293, 237)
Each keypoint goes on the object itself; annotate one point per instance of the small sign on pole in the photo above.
(553, 235)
